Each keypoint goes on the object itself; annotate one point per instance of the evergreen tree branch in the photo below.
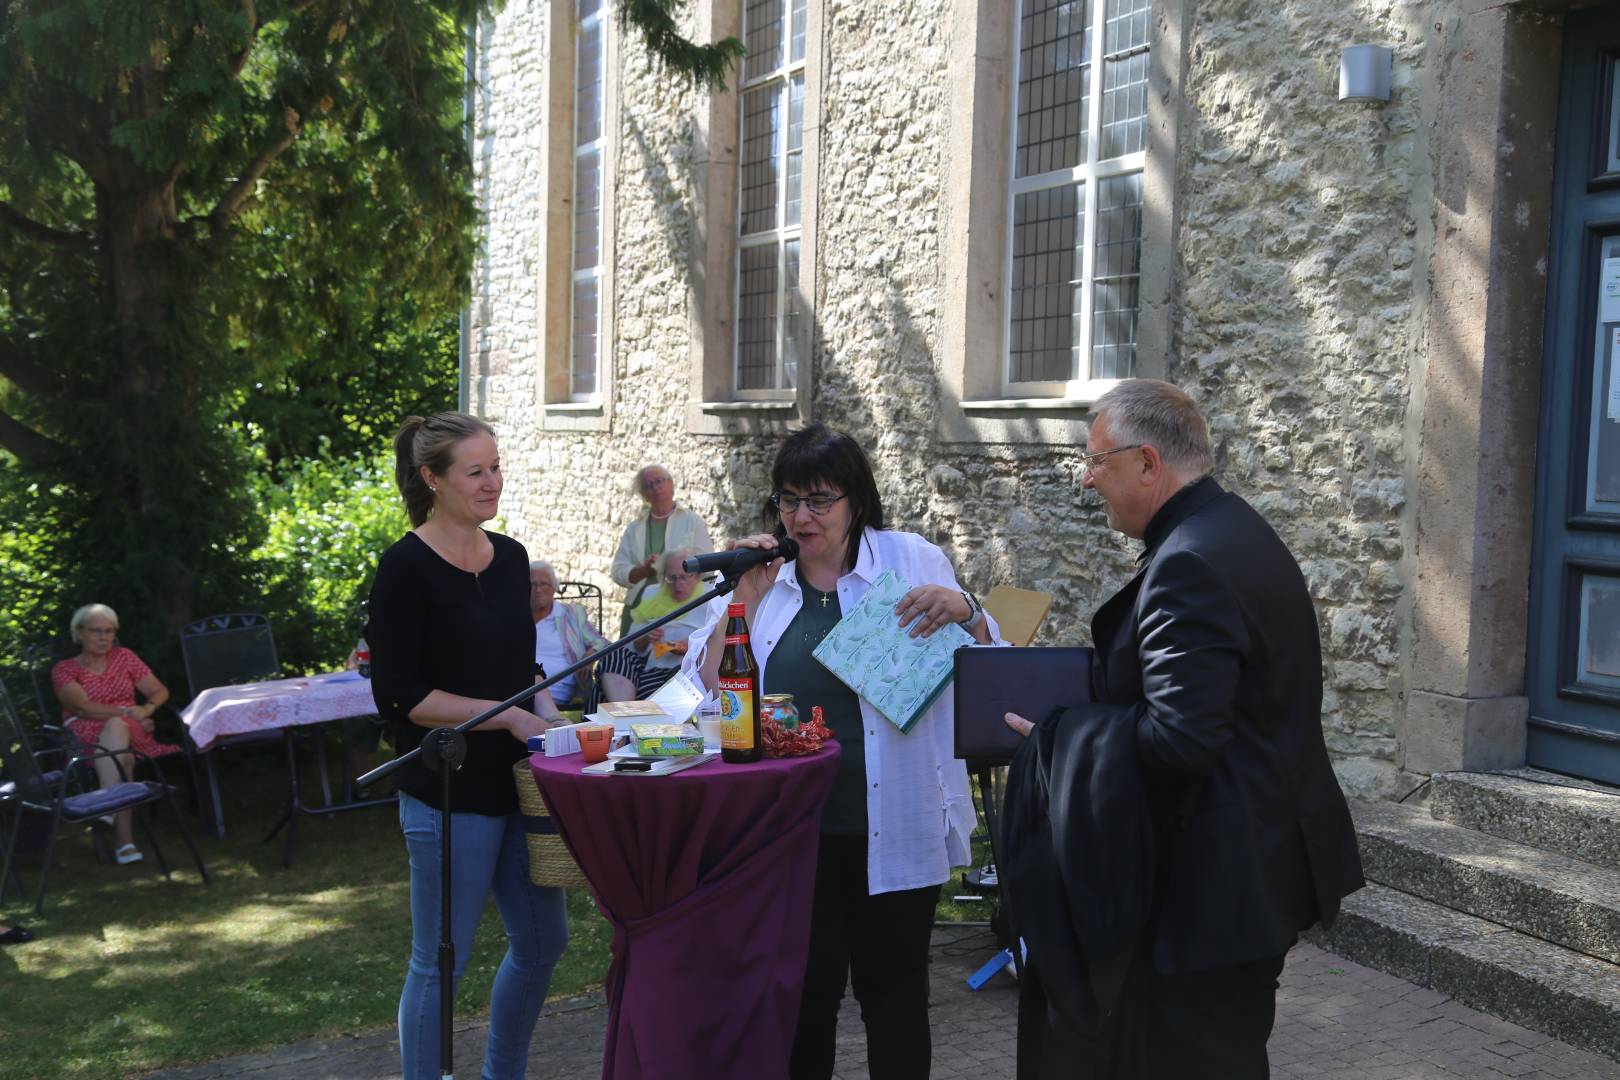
(251, 13)
(25, 373)
(230, 204)
(700, 65)
(29, 446)
(10, 215)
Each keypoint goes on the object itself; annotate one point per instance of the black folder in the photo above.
(1032, 682)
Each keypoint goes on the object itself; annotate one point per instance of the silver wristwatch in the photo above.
(975, 612)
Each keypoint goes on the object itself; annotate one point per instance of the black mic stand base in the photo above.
(443, 751)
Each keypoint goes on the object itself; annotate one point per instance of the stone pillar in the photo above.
(1476, 402)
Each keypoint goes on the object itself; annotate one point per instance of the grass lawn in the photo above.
(132, 973)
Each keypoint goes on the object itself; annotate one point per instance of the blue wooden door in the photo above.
(1574, 649)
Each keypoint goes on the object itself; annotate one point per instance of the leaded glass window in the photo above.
(1075, 209)
(770, 193)
(585, 340)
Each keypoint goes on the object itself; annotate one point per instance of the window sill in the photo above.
(1029, 405)
(769, 418)
(1053, 421)
(575, 416)
(786, 405)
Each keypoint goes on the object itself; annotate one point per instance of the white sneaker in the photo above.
(127, 854)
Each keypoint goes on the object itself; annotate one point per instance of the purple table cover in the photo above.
(706, 876)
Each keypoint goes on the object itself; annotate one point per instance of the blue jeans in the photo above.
(489, 855)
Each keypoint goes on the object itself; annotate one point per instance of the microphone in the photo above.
(737, 562)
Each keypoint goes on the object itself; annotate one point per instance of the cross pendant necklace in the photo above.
(825, 597)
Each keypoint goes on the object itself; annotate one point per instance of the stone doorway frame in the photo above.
(1475, 409)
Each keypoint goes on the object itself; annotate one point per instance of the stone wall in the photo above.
(1299, 281)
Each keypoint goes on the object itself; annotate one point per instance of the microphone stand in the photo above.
(443, 750)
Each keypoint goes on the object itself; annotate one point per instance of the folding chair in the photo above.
(590, 690)
(39, 660)
(582, 590)
(34, 789)
(225, 650)
(1019, 612)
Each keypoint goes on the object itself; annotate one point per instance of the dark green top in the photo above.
(656, 531)
(792, 670)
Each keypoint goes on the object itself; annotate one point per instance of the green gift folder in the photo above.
(874, 656)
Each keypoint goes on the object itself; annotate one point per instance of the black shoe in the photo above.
(16, 936)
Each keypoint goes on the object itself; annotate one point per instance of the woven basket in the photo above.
(549, 861)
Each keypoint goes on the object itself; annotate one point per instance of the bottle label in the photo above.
(737, 714)
(736, 639)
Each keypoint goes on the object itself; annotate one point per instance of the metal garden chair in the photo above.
(225, 650)
(39, 660)
(576, 592)
(34, 789)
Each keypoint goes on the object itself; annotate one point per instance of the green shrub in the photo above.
(329, 518)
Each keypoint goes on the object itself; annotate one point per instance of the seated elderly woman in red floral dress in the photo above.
(97, 690)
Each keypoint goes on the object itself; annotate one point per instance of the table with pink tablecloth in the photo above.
(707, 877)
(283, 703)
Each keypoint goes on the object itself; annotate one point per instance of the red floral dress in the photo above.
(114, 686)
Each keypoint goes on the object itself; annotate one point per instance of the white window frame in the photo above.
(1089, 173)
(558, 408)
(783, 74)
(598, 146)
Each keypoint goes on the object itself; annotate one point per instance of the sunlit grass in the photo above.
(132, 973)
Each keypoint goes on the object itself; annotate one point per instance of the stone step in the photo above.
(1577, 818)
(1540, 893)
(1481, 964)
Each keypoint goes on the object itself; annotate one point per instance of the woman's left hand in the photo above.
(929, 607)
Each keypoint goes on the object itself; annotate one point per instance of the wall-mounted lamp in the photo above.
(1365, 73)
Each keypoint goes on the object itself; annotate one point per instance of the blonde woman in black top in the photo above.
(450, 637)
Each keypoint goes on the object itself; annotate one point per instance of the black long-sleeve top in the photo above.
(437, 627)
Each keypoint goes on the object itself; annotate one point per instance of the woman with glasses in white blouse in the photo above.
(900, 813)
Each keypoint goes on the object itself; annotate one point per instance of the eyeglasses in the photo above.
(1088, 462)
(788, 503)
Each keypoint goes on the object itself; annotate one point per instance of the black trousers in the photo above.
(877, 944)
(1165, 1027)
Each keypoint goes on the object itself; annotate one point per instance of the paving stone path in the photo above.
(1336, 1020)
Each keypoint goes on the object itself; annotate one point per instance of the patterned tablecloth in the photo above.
(260, 706)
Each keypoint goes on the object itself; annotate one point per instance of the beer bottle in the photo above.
(739, 693)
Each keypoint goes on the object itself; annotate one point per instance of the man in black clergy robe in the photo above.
(1211, 655)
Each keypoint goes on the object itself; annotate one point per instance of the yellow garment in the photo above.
(655, 606)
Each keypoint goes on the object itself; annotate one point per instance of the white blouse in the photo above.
(918, 808)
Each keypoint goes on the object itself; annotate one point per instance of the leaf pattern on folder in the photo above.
(878, 659)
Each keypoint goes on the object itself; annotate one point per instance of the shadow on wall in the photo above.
(1299, 320)
(1014, 514)
(1308, 331)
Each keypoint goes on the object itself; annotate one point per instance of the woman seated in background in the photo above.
(97, 690)
(636, 672)
(563, 634)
